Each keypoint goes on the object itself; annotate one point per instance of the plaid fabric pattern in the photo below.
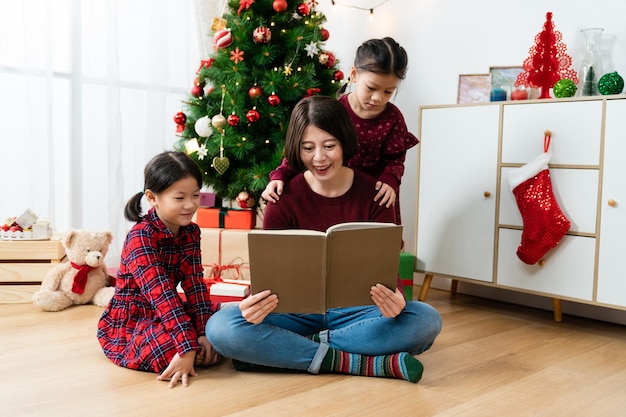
(146, 323)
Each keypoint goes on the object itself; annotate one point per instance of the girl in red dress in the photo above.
(147, 326)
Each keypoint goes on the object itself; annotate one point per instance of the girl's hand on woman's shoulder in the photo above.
(256, 307)
(389, 303)
(386, 195)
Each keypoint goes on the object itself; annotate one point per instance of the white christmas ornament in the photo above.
(202, 152)
(203, 127)
(312, 49)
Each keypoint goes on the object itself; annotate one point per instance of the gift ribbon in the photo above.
(218, 280)
(547, 136)
(222, 223)
(217, 269)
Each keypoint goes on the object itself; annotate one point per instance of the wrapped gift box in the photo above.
(406, 269)
(225, 253)
(226, 218)
(225, 291)
(207, 199)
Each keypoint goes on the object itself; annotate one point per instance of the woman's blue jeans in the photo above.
(281, 340)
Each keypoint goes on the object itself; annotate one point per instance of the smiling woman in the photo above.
(89, 88)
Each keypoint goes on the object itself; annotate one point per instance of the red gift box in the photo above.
(226, 218)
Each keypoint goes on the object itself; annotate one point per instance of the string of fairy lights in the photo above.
(352, 6)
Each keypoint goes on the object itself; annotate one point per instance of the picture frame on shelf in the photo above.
(474, 88)
(504, 77)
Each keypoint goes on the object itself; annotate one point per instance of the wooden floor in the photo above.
(491, 359)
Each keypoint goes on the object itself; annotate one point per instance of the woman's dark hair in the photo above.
(381, 56)
(325, 113)
(162, 171)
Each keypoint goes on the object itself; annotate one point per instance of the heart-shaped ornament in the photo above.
(221, 164)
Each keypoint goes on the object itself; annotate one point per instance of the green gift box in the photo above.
(406, 269)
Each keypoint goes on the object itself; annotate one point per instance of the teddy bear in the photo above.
(81, 279)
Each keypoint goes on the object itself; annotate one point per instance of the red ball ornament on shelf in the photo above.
(233, 120)
(338, 75)
(273, 100)
(324, 34)
(255, 91)
(253, 115)
(519, 94)
(279, 6)
(261, 34)
(303, 9)
(222, 38)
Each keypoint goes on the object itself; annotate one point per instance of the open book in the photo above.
(313, 271)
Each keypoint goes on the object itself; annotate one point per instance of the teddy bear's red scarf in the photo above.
(80, 279)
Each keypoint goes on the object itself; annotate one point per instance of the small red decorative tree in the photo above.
(548, 61)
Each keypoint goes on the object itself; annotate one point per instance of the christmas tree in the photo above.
(548, 61)
(268, 54)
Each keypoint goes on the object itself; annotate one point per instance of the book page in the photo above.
(292, 266)
(359, 259)
(357, 225)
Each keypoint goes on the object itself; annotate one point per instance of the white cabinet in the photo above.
(459, 163)
(468, 223)
(612, 253)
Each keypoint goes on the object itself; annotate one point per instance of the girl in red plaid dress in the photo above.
(147, 326)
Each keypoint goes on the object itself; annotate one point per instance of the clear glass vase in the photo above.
(590, 69)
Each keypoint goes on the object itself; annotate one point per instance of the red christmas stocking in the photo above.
(544, 222)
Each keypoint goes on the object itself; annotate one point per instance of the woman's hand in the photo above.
(389, 303)
(179, 369)
(273, 191)
(256, 307)
(386, 194)
(207, 355)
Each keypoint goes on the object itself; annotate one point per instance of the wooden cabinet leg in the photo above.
(558, 310)
(425, 286)
(454, 285)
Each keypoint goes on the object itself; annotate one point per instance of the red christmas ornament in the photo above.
(327, 59)
(205, 63)
(197, 91)
(324, 34)
(244, 4)
(303, 9)
(180, 119)
(245, 200)
(338, 75)
(255, 92)
(253, 115)
(279, 6)
(199, 81)
(273, 100)
(312, 91)
(233, 120)
(548, 61)
(261, 34)
(222, 39)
